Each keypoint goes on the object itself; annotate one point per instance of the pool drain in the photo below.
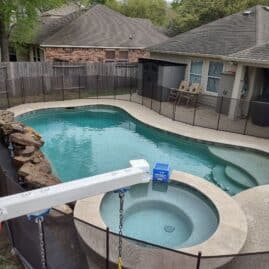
(169, 228)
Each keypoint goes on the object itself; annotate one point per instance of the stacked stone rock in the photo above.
(32, 167)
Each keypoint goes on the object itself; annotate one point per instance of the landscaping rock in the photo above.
(65, 209)
(35, 169)
(25, 140)
(21, 160)
(12, 127)
(28, 151)
(41, 180)
(33, 133)
(6, 117)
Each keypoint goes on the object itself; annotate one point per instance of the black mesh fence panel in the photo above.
(233, 113)
(139, 254)
(63, 249)
(71, 87)
(33, 89)
(25, 234)
(239, 261)
(258, 120)
(206, 112)
(122, 82)
(55, 91)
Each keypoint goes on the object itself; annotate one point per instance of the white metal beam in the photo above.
(36, 200)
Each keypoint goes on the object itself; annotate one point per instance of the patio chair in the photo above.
(175, 93)
(191, 94)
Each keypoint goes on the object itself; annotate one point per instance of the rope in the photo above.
(119, 263)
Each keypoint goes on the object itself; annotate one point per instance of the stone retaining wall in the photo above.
(24, 144)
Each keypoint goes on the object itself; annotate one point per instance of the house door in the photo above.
(150, 78)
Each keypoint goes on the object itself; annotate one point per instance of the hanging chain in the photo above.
(121, 196)
(39, 221)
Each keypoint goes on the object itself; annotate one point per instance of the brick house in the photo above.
(97, 34)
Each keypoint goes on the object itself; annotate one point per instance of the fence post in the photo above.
(160, 109)
(63, 87)
(247, 119)
(22, 91)
(107, 248)
(7, 95)
(97, 86)
(43, 88)
(151, 100)
(114, 88)
(131, 86)
(220, 109)
(174, 111)
(79, 85)
(195, 108)
(198, 260)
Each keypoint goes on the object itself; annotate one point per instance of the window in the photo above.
(215, 69)
(36, 54)
(110, 55)
(196, 71)
(123, 56)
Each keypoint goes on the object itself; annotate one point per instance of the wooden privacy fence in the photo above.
(37, 79)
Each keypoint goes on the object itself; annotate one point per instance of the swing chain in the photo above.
(39, 221)
(121, 196)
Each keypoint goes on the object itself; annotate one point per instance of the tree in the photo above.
(18, 21)
(193, 13)
(155, 10)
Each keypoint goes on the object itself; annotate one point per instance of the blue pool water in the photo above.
(173, 216)
(89, 141)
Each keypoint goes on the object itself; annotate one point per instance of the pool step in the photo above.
(240, 177)
(254, 164)
(220, 178)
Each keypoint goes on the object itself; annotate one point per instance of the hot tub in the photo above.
(188, 215)
(172, 216)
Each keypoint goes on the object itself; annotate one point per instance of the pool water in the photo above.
(173, 215)
(93, 140)
(86, 141)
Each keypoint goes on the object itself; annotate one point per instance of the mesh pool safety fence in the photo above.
(240, 116)
(64, 247)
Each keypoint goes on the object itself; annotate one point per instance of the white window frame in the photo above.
(213, 77)
(196, 74)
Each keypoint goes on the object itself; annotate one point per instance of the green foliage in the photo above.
(193, 13)
(19, 17)
(155, 10)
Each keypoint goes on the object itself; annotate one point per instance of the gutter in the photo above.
(212, 56)
(88, 47)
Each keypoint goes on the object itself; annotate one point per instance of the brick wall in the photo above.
(89, 54)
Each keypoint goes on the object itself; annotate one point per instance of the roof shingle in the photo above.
(102, 27)
(235, 35)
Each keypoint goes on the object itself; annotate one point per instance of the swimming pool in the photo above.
(86, 141)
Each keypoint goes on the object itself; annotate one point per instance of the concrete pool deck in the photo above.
(153, 119)
(229, 238)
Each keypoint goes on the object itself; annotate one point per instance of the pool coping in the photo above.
(153, 119)
(228, 239)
